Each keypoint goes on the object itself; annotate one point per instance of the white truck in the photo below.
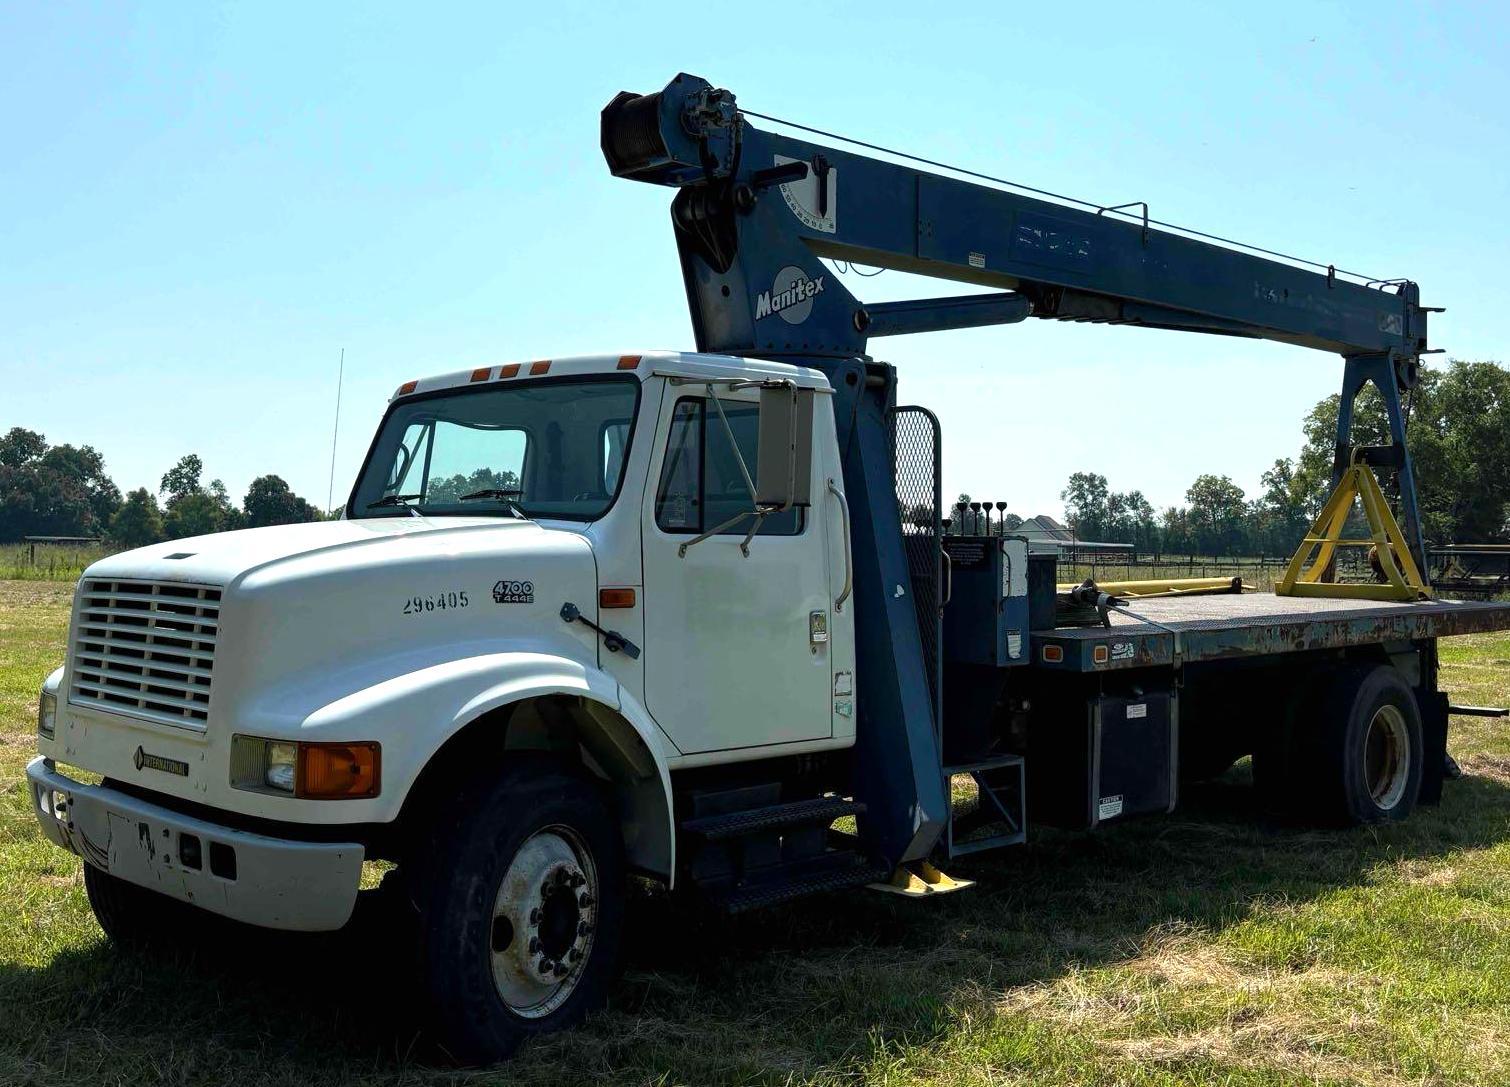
(687, 615)
(450, 676)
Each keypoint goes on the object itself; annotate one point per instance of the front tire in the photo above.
(135, 917)
(522, 911)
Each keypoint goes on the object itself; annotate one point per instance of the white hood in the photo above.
(220, 558)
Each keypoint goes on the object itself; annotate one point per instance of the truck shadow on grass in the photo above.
(820, 986)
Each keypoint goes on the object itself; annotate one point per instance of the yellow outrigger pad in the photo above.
(919, 880)
(1402, 580)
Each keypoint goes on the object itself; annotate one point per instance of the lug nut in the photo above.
(535, 917)
(560, 970)
(546, 966)
(585, 901)
(534, 945)
(584, 929)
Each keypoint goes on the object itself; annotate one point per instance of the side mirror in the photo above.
(784, 460)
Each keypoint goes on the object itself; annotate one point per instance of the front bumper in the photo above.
(274, 882)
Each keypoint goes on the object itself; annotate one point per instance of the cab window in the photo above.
(701, 485)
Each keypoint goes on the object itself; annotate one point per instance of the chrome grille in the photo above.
(146, 648)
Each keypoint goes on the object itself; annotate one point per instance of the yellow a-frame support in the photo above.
(1403, 579)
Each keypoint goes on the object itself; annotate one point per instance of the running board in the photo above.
(834, 871)
(820, 811)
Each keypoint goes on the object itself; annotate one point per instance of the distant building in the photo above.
(1047, 536)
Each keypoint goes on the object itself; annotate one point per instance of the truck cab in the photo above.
(588, 562)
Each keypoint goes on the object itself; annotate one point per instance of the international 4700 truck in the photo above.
(695, 616)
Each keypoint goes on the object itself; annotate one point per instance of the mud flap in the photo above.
(1433, 706)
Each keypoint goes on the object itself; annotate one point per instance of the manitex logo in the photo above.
(790, 297)
(148, 761)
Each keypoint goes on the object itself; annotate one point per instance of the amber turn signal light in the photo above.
(615, 598)
(331, 771)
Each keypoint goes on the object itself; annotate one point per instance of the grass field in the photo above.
(1202, 948)
(48, 562)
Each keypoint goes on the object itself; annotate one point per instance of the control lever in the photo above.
(613, 641)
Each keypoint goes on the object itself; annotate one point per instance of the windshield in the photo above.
(540, 449)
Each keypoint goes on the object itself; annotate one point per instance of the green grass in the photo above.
(1201, 948)
(49, 562)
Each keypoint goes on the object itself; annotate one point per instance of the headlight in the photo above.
(282, 760)
(264, 766)
(311, 771)
(47, 714)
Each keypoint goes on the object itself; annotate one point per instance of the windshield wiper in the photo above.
(396, 500)
(502, 494)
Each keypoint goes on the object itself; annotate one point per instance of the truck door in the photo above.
(737, 648)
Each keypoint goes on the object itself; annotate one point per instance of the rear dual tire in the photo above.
(1350, 751)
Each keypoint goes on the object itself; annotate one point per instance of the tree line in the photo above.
(1459, 437)
(62, 490)
(1458, 430)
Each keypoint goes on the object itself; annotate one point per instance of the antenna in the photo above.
(334, 432)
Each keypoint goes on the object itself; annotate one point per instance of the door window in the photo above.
(701, 484)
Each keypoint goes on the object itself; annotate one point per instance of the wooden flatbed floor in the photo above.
(1254, 624)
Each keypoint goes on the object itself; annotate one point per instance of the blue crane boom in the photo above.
(754, 202)
(757, 210)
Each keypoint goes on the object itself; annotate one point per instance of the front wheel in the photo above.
(523, 910)
(135, 917)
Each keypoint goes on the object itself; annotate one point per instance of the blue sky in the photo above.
(202, 205)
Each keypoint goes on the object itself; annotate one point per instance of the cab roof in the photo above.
(660, 363)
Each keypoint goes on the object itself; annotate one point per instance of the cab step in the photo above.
(836, 870)
(819, 811)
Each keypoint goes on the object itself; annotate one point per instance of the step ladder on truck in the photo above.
(696, 616)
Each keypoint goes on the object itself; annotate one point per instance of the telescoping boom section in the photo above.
(757, 209)
(756, 214)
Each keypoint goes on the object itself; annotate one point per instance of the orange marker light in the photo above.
(1053, 654)
(541, 367)
(406, 388)
(338, 771)
(628, 362)
(508, 369)
(615, 598)
(1100, 654)
(481, 374)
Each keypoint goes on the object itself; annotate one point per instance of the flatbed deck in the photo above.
(1202, 628)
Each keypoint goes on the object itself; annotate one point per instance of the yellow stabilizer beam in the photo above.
(1175, 586)
(1303, 577)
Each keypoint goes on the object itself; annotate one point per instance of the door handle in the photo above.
(948, 579)
(849, 574)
